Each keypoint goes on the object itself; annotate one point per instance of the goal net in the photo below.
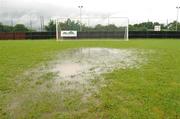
(94, 27)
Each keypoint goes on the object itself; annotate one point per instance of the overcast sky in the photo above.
(136, 10)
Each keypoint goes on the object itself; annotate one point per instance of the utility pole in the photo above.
(42, 23)
(178, 7)
(30, 23)
(167, 23)
(80, 8)
(12, 24)
(108, 20)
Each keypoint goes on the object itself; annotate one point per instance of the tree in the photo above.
(51, 27)
(172, 26)
(70, 25)
(111, 27)
(6, 28)
(99, 27)
(1, 27)
(20, 28)
(144, 26)
(67, 25)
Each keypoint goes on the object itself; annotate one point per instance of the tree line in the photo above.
(72, 25)
(16, 28)
(144, 26)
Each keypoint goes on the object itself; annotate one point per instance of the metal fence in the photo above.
(52, 35)
(154, 34)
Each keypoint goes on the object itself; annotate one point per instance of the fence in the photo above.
(5, 36)
(40, 35)
(154, 34)
(52, 35)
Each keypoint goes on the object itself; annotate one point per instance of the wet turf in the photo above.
(152, 91)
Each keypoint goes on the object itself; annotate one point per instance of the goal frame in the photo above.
(58, 27)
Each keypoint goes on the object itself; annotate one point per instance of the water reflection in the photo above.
(87, 63)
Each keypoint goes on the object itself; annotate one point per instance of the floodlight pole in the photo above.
(128, 30)
(30, 22)
(57, 32)
(178, 7)
(80, 8)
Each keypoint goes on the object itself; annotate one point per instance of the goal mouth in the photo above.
(92, 27)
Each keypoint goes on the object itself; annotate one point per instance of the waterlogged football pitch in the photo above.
(90, 79)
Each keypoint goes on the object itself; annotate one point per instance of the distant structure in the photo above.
(157, 28)
(42, 23)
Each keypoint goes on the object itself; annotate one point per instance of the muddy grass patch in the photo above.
(70, 82)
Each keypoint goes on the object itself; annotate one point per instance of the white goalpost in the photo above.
(92, 27)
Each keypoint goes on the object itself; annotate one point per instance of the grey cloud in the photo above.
(26, 12)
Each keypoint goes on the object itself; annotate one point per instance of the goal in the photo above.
(92, 27)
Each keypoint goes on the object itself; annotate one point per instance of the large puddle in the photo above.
(83, 65)
(89, 63)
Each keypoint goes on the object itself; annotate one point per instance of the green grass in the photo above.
(152, 91)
